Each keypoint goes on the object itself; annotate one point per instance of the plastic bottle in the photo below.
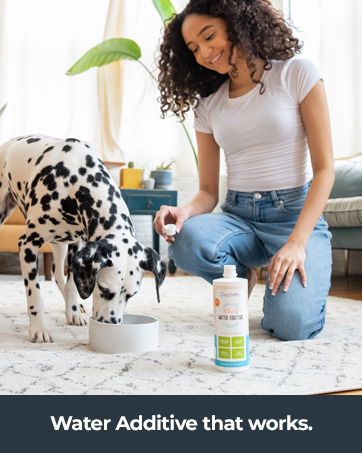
(231, 321)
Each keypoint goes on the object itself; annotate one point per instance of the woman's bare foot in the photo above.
(252, 280)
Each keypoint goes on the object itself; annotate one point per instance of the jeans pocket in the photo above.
(292, 206)
(229, 202)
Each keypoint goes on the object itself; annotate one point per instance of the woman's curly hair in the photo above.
(253, 26)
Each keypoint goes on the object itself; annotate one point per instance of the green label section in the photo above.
(224, 342)
(238, 342)
(238, 353)
(224, 353)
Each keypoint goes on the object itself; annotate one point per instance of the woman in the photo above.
(233, 61)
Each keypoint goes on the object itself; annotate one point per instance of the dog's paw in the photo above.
(39, 333)
(75, 319)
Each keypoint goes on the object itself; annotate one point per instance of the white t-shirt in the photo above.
(263, 136)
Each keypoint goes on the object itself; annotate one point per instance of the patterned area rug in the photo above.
(183, 363)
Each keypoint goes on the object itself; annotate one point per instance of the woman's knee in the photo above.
(186, 249)
(296, 320)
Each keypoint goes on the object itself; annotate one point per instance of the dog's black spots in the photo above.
(55, 195)
(69, 219)
(113, 209)
(66, 149)
(98, 176)
(33, 197)
(130, 272)
(32, 140)
(109, 223)
(137, 282)
(111, 236)
(61, 170)
(29, 256)
(91, 180)
(29, 292)
(100, 319)
(54, 221)
(92, 226)
(31, 226)
(31, 307)
(19, 185)
(119, 272)
(74, 307)
(48, 150)
(118, 254)
(99, 203)
(105, 293)
(83, 195)
(119, 320)
(82, 171)
(89, 162)
(45, 202)
(32, 274)
(29, 160)
(137, 247)
(39, 159)
(113, 320)
(37, 286)
(128, 296)
(49, 182)
(130, 252)
(69, 205)
(26, 282)
(112, 312)
(73, 179)
(72, 140)
(35, 239)
(34, 313)
(9, 176)
(119, 227)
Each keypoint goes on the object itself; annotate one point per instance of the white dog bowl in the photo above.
(137, 333)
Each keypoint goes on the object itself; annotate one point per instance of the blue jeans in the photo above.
(251, 229)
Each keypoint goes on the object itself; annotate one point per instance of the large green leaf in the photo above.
(107, 52)
(165, 9)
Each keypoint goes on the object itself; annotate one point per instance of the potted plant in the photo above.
(116, 49)
(162, 176)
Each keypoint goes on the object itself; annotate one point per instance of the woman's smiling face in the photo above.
(207, 39)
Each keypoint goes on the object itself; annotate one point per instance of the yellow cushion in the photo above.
(12, 230)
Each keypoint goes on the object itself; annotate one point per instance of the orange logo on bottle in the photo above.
(217, 302)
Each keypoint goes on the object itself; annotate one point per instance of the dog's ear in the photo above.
(87, 263)
(155, 264)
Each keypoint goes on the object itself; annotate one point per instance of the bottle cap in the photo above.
(170, 229)
(230, 271)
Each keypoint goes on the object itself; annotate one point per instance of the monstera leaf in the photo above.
(108, 51)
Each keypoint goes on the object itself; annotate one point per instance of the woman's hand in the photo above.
(166, 215)
(285, 262)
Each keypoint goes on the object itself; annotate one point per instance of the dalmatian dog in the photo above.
(69, 200)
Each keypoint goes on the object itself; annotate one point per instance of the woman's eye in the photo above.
(210, 37)
(195, 50)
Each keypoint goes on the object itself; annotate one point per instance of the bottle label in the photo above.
(231, 326)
